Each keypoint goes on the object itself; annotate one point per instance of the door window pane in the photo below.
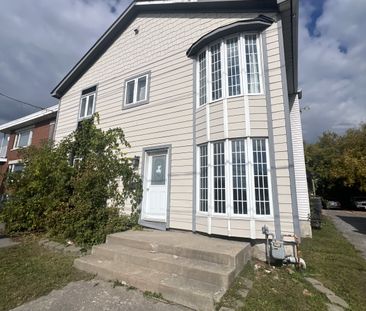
(158, 170)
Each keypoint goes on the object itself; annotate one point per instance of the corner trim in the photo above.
(194, 178)
(295, 212)
(272, 158)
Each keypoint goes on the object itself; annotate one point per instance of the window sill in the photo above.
(133, 105)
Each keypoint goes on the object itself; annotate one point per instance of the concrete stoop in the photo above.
(186, 268)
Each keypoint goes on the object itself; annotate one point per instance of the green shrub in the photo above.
(72, 190)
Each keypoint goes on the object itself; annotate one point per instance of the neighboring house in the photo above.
(207, 95)
(21, 133)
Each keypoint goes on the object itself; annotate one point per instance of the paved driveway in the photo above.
(352, 224)
(96, 295)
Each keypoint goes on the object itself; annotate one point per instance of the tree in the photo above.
(77, 189)
(338, 163)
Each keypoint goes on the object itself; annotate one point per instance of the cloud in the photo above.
(332, 66)
(40, 41)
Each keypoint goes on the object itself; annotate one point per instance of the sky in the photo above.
(41, 40)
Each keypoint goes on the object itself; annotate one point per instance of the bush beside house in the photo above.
(77, 189)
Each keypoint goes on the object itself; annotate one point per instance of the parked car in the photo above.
(332, 205)
(359, 203)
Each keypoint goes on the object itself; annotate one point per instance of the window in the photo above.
(260, 177)
(202, 78)
(239, 177)
(23, 139)
(233, 68)
(136, 90)
(17, 167)
(87, 103)
(216, 71)
(4, 139)
(203, 179)
(234, 178)
(233, 73)
(251, 52)
(219, 177)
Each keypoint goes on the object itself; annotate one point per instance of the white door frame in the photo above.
(145, 170)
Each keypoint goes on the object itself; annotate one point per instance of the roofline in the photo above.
(18, 123)
(123, 21)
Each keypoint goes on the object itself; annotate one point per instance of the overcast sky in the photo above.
(41, 40)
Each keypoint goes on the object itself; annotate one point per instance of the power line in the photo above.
(22, 102)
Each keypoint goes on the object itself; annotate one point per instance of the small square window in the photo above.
(136, 90)
(23, 139)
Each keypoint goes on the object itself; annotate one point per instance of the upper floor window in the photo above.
(87, 103)
(229, 67)
(136, 90)
(4, 139)
(23, 138)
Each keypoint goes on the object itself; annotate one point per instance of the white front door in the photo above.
(155, 199)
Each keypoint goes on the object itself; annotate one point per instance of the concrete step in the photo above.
(221, 275)
(189, 292)
(186, 244)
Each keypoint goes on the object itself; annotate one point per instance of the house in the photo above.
(207, 94)
(32, 129)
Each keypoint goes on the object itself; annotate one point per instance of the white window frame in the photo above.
(250, 188)
(136, 102)
(4, 142)
(224, 68)
(12, 164)
(87, 96)
(18, 134)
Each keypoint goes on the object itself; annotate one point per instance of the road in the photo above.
(352, 224)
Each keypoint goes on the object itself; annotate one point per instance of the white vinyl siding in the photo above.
(261, 177)
(237, 61)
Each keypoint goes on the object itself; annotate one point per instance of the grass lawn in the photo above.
(330, 258)
(28, 271)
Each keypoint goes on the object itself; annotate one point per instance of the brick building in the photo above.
(32, 129)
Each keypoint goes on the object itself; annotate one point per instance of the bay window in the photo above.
(240, 188)
(230, 67)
